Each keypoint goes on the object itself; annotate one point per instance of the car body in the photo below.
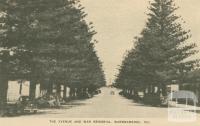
(22, 106)
(112, 93)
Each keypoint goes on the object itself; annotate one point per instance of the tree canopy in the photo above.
(48, 42)
(161, 50)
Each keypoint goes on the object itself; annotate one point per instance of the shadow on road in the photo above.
(57, 111)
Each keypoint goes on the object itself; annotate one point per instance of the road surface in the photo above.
(103, 105)
(107, 106)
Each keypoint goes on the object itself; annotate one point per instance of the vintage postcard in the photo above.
(99, 62)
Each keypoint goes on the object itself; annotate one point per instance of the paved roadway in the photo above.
(108, 106)
(104, 105)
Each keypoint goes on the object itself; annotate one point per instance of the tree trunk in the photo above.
(144, 91)
(126, 91)
(135, 92)
(3, 95)
(20, 88)
(58, 90)
(75, 92)
(159, 92)
(32, 89)
(132, 92)
(65, 92)
(50, 88)
(78, 92)
(72, 91)
(149, 89)
(164, 90)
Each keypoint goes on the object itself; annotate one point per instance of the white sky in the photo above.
(119, 21)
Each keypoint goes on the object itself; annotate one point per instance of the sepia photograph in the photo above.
(99, 62)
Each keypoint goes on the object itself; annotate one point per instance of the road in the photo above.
(103, 105)
(106, 106)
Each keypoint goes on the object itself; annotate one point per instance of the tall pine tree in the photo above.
(48, 42)
(162, 48)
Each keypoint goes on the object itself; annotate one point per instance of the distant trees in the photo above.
(160, 52)
(47, 42)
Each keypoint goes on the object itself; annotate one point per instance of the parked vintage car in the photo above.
(22, 106)
(164, 101)
(48, 101)
(97, 92)
(13, 108)
(28, 105)
(112, 93)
